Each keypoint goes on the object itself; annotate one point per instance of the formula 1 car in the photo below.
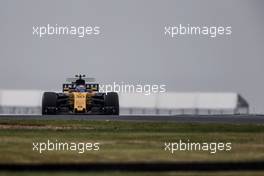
(80, 96)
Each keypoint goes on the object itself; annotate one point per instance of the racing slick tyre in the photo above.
(49, 103)
(111, 103)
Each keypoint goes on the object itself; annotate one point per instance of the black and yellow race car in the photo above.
(80, 96)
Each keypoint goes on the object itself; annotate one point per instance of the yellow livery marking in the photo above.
(80, 101)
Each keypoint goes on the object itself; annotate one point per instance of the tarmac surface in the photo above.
(138, 167)
(237, 119)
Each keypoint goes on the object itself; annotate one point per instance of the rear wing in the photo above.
(66, 88)
(72, 80)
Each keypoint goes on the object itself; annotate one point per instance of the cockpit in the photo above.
(80, 88)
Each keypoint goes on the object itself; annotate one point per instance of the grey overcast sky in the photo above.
(132, 46)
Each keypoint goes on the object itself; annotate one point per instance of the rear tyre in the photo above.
(49, 103)
(111, 103)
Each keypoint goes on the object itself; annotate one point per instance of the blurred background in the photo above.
(132, 46)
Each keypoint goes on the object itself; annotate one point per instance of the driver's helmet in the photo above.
(80, 88)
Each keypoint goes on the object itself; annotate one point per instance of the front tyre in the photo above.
(111, 103)
(49, 103)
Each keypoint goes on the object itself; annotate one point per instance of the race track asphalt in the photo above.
(255, 119)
